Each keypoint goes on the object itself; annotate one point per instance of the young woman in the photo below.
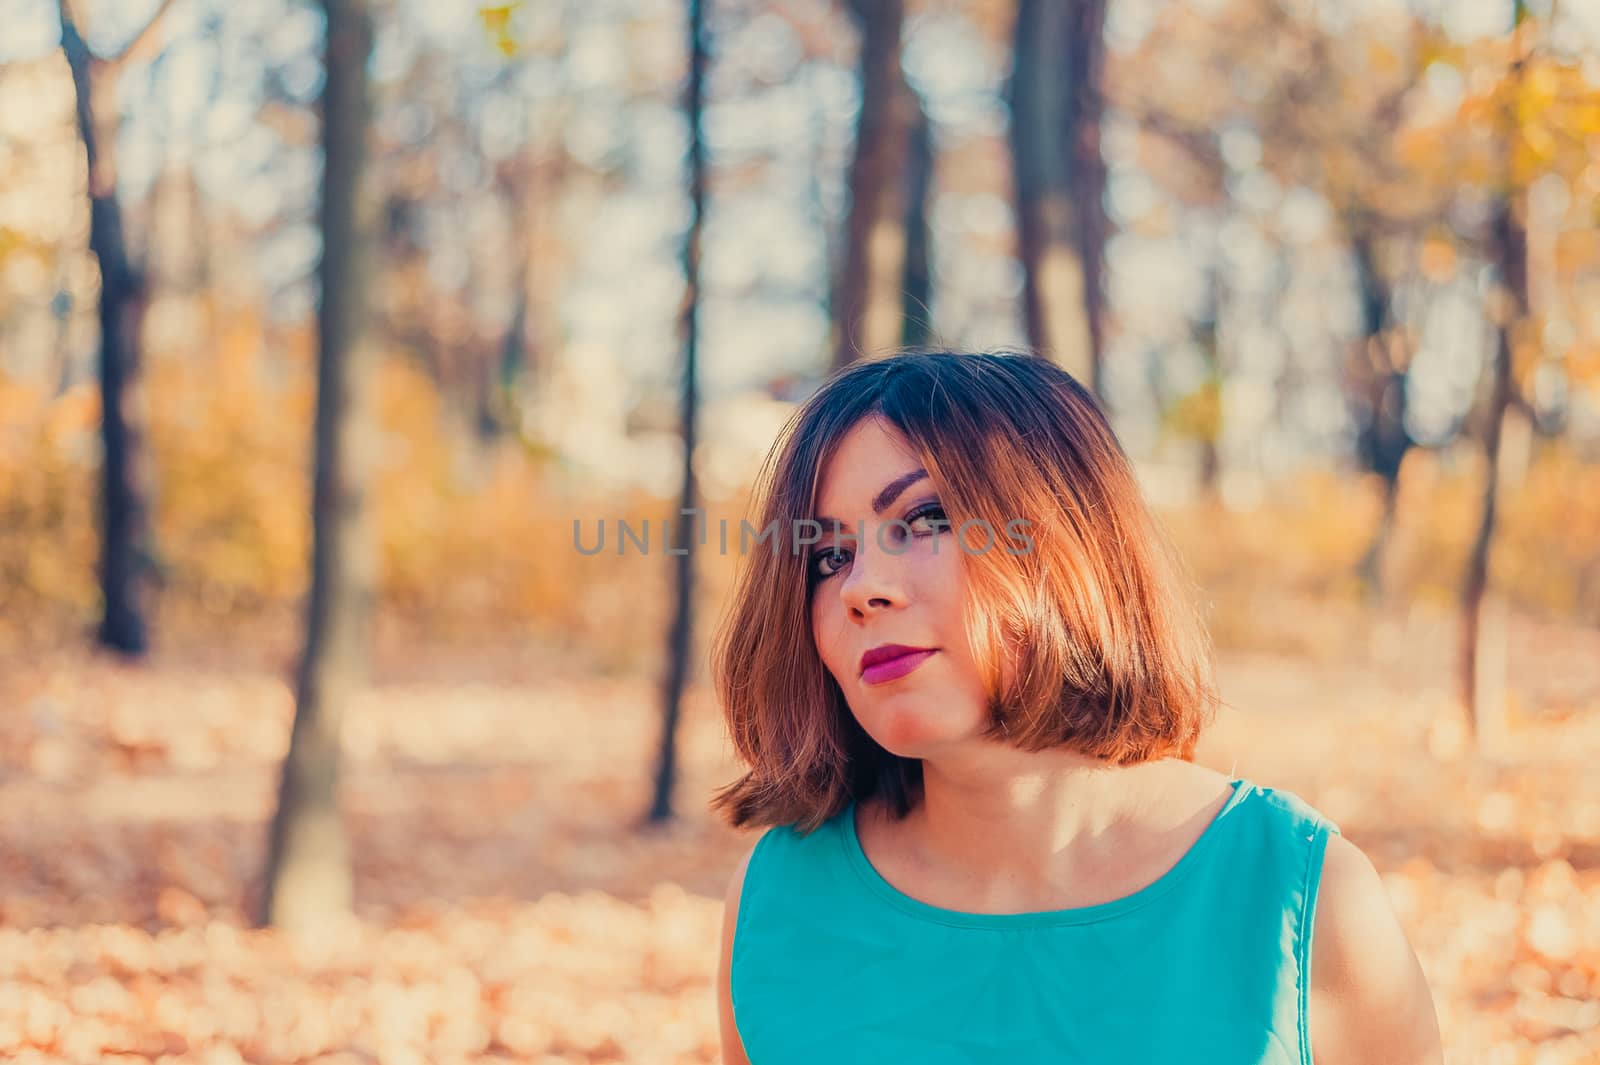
(963, 669)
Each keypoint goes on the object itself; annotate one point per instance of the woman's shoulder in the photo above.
(788, 846)
(1291, 808)
(1368, 995)
(1269, 828)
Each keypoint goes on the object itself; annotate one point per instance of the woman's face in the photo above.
(875, 582)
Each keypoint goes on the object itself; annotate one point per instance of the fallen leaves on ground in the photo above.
(510, 906)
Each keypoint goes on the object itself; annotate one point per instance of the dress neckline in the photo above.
(1099, 911)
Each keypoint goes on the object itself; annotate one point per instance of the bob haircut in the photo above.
(1088, 640)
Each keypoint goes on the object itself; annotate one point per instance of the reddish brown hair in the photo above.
(1089, 639)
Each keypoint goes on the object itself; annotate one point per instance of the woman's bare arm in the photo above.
(1369, 1001)
(732, 1046)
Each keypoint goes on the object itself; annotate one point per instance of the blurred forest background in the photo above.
(326, 330)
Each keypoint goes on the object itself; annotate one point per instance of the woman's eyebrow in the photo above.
(883, 499)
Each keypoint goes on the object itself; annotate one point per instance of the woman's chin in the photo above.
(915, 733)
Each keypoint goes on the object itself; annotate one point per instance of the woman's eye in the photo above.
(933, 514)
(818, 560)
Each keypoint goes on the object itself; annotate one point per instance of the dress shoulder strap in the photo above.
(1294, 839)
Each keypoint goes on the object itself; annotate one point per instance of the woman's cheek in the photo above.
(827, 634)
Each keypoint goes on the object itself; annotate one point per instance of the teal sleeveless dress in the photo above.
(1207, 965)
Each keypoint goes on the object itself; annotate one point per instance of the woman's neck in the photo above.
(1019, 829)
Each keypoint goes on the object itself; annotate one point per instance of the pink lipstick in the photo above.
(891, 662)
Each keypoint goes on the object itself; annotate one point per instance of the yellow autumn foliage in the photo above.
(493, 553)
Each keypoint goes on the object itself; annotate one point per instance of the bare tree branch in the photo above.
(141, 40)
(1198, 141)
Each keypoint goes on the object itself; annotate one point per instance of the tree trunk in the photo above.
(1483, 635)
(1060, 179)
(866, 298)
(916, 285)
(541, 262)
(124, 527)
(690, 526)
(1482, 627)
(1209, 427)
(1371, 568)
(514, 378)
(308, 872)
(497, 408)
(1378, 395)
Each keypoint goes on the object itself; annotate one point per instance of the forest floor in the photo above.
(510, 908)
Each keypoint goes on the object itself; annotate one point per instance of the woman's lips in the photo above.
(895, 668)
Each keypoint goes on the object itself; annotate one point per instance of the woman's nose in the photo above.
(875, 580)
